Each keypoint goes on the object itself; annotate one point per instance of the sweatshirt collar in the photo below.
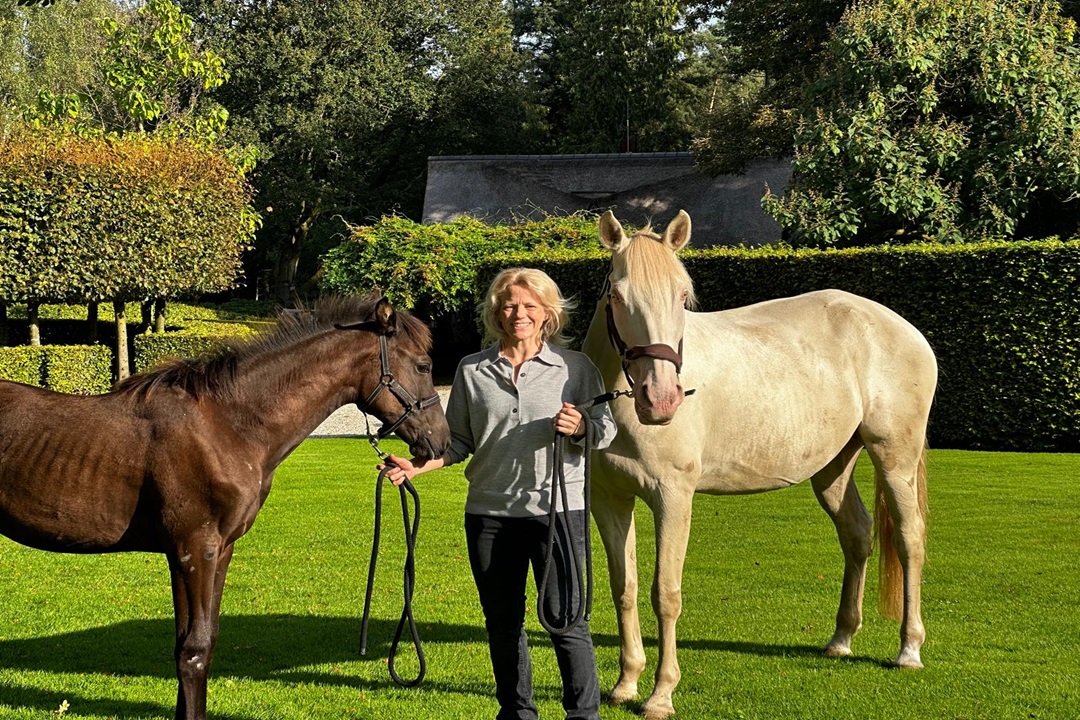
(547, 355)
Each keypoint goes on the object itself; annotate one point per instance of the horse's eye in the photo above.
(424, 368)
(616, 298)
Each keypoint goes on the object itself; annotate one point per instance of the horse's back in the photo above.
(849, 337)
(783, 385)
(831, 315)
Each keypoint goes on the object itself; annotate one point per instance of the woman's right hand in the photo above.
(404, 470)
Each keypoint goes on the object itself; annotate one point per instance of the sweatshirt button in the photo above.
(515, 410)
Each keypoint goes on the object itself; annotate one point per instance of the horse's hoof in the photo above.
(622, 694)
(657, 710)
(909, 660)
(837, 650)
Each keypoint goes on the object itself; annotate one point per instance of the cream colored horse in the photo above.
(785, 390)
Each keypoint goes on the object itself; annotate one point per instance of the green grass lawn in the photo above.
(1001, 606)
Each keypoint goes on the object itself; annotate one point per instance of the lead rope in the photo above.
(558, 490)
(409, 581)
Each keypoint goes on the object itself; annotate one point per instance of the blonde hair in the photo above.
(539, 284)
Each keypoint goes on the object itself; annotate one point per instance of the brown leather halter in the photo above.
(627, 354)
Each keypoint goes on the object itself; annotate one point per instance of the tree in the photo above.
(117, 218)
(774, 51)
(614, 76)
(346, 98)
(54, 49)
(146, 85)
(939, 120)
(151, 75)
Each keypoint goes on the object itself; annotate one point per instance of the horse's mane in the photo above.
(214, 374)
(655, 270)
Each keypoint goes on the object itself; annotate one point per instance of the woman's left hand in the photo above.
(568, 421)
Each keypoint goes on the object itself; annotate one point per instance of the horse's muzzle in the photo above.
(655, 408)
(425, 449)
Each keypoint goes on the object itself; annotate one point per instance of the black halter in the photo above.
(408, 401)
(657, 351)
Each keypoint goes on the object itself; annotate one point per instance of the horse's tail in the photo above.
(891, 574)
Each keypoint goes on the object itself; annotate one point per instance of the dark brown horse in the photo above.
(179, 460)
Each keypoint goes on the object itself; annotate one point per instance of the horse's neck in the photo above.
(282, 398)
(597, 345)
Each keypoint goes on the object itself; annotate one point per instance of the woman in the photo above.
(504, 406)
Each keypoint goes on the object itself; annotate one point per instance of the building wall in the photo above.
(638, 187)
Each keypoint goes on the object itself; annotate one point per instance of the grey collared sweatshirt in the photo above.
(508, 430)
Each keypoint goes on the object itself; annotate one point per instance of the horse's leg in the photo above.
(839, 497)
(615, 519)
(901, 484)
(672, 508)
(219, 588)
(196, 583)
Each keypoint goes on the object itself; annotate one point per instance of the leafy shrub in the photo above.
(1002, 318)
(432, 268)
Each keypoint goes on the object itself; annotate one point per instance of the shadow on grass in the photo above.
(813, 652)
(49, 701)
(258, 647)
(279, 648)
(32, 698)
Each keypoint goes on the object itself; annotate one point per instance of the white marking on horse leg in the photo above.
(615, 521)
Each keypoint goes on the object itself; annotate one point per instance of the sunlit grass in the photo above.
(760, 592)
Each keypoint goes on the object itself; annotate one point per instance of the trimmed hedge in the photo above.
(25, 364)
(1003, 319)
(85, 370)
(203, 329)
(199, 338)
(77, 369)
(118, 218)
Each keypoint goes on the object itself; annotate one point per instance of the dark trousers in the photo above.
(500, 552)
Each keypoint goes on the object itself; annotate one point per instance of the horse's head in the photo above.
(398, 389)
(649, 292)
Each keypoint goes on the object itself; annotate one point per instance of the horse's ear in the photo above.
(611, 232)
(386, 316)
(677, 233)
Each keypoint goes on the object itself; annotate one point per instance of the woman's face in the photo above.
(522, 315)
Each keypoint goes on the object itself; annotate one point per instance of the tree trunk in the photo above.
(159, 315)
(92, 321)
(33, 323)
(288, 258)
(123, 367)
(3, 325)
(147, 311)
